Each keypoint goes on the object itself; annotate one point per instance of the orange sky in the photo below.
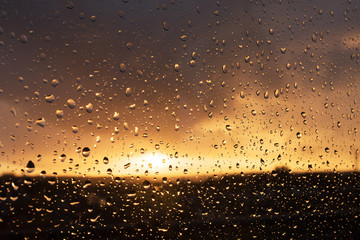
(202, 89)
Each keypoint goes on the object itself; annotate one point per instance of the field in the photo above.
(255, 206)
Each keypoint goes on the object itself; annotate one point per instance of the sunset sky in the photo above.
(178, 87)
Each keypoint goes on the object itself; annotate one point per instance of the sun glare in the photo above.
(156, 161)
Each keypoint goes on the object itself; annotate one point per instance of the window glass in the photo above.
(179, 119)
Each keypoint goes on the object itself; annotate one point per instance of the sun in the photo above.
(155, 160)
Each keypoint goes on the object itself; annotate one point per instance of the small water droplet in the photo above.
(23, 38)
(122, 67)
(166, 26)
(177, 67)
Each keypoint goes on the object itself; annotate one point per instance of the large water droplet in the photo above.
(41, 122)
(50, 98)
(128, 92)
(89, 107)
(30, 167)
(146, 184)
(86, 151)
(71, 103)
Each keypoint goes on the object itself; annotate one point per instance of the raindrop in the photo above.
(40, 122)
(266, 95)
(54, 82)
(86, 151)
(116, 116)
(23, 38)
(50, 98)
(122, 67)
(30, 167)
(128, 92)
(276, 93)
(71, 103)
(59, 113)
(192, 63)
(93, 18)
(166, 26)
(89, 107)
(177, 67)
(62, 157)
(132, 106)
(146, 184)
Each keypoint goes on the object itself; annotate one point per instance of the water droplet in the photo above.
(93, 18)
(23, 38)
(146, 184)
(228, 127)
(276, 93)
(109, 171)
(177, 67)
(106, 160)
(75, 129)
(122, 67)
(41, 122)
(129, 46)
(166, 26)
(184, 37)
(59, 113)
(50, 98)
(86, 151)
(132, 106)
(266, 95)
(242, 95)
(62, 157)
(89, 107)
(30, 167)
(128, 92)
(71, 103)
(116, 116)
